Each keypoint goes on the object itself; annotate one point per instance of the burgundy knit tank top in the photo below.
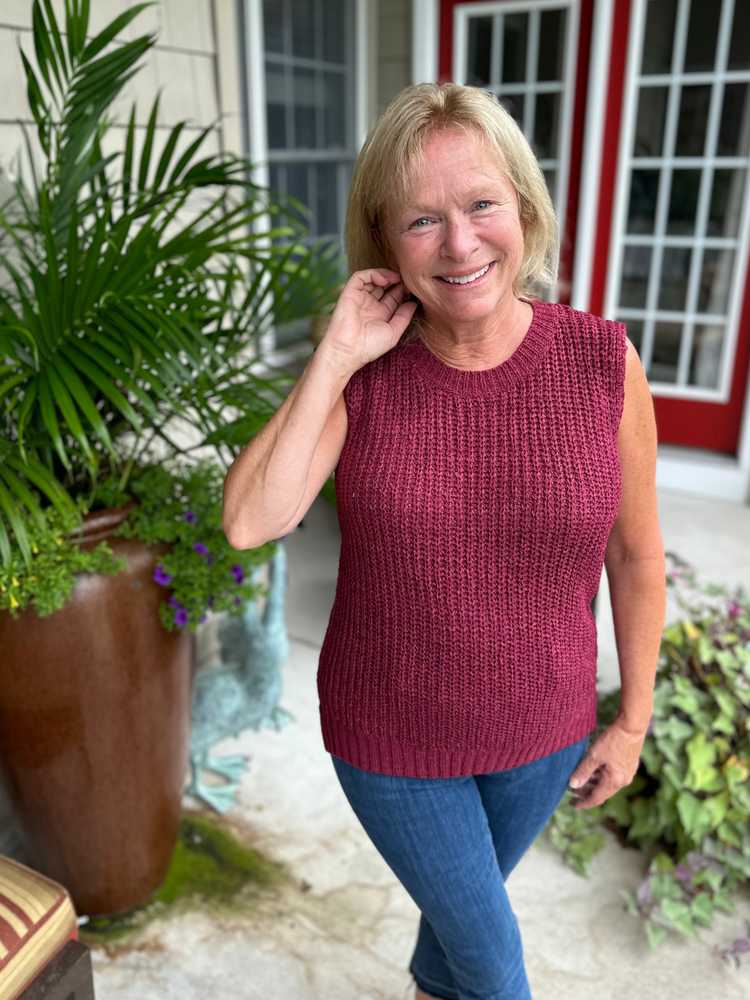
(474, 508)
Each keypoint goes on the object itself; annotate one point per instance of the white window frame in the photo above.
(619, 239)
(256, 87)
(462, 13)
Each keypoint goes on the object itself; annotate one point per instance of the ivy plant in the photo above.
(688, 805)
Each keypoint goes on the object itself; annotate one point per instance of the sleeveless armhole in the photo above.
(617, 373)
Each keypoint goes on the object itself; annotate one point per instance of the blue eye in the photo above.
(483, 202)
(416, 223)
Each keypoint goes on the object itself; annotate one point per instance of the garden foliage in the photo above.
(688, 805)
(135, 289)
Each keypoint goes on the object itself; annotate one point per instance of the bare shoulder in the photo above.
(638, 408)
(636, 529)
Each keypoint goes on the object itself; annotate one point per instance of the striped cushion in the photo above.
(37, 919)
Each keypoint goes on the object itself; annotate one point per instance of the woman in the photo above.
(492, 452)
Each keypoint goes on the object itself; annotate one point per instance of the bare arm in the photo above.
(636, 569)
(268, 481)
(275, 478)
(634, 558)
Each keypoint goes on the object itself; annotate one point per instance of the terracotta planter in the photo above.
(95, 729)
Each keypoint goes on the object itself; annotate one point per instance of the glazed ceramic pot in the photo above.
(95, 729)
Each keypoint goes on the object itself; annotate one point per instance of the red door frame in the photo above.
(693, 423)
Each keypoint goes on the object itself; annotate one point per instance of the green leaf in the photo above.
(10, 511)
(47, 407)
(693, 816)
(702, 908)
(655, 933)
(111, 32)
(678, 914)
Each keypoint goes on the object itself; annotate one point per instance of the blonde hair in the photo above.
(390, 158)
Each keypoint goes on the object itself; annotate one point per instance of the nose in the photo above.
(460, 240)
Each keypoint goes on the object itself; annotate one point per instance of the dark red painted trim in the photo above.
(611, 140)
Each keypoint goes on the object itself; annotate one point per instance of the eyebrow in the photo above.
(477, 194)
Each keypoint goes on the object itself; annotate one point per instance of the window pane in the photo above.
(276, 106)
(303, 28)
(480, 47)
(734, 131)
(652, 112)
(716, 273)
(551, 45)
(335, 121)
(691, 127)
(726, 202)
(643, 191)
(635, 332)
(703, 30)
(636, 267)
(297, 186)
(546, 122)
(705, 357)
(675, 269)
(326, 194)
(514, 104)
(273, 25)
(550, 177)
(666, 352)
(739, 48)
(305, 93)
(683, 202)
(514, 47)
(657, 45)
(333, 31)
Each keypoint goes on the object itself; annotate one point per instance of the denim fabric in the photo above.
(452, 842)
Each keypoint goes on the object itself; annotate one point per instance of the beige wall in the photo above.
(195, 85)
(393, 50)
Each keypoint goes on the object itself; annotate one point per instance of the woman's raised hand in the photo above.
(369, 317)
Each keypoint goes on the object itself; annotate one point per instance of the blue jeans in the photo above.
(452, 843)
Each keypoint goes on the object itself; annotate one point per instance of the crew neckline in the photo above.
(487, 382)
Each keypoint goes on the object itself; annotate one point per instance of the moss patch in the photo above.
(209, 866)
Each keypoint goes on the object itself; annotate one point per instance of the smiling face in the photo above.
(458, 240)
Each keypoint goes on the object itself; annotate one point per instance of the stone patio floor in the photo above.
(346, 928)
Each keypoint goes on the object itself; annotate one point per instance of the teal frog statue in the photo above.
(242, 691)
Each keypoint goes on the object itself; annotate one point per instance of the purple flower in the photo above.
(174, 602)
(201, 619)
(238, 600)
(200, 548)
(209, 560)
(181, 617)
(238, 573)
(191, 518)
(161, 577)
(734, 609)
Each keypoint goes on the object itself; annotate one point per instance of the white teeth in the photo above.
(468, 278)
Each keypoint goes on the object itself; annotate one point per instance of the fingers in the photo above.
(394, 296)
(597, 790)
(381, 276)
(402, 316)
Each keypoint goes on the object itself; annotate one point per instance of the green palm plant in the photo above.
(132, 285)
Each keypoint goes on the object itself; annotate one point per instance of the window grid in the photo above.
(342, 157)
(699, 241)
(531, 87)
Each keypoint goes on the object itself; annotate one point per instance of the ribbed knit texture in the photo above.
(475, 508)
